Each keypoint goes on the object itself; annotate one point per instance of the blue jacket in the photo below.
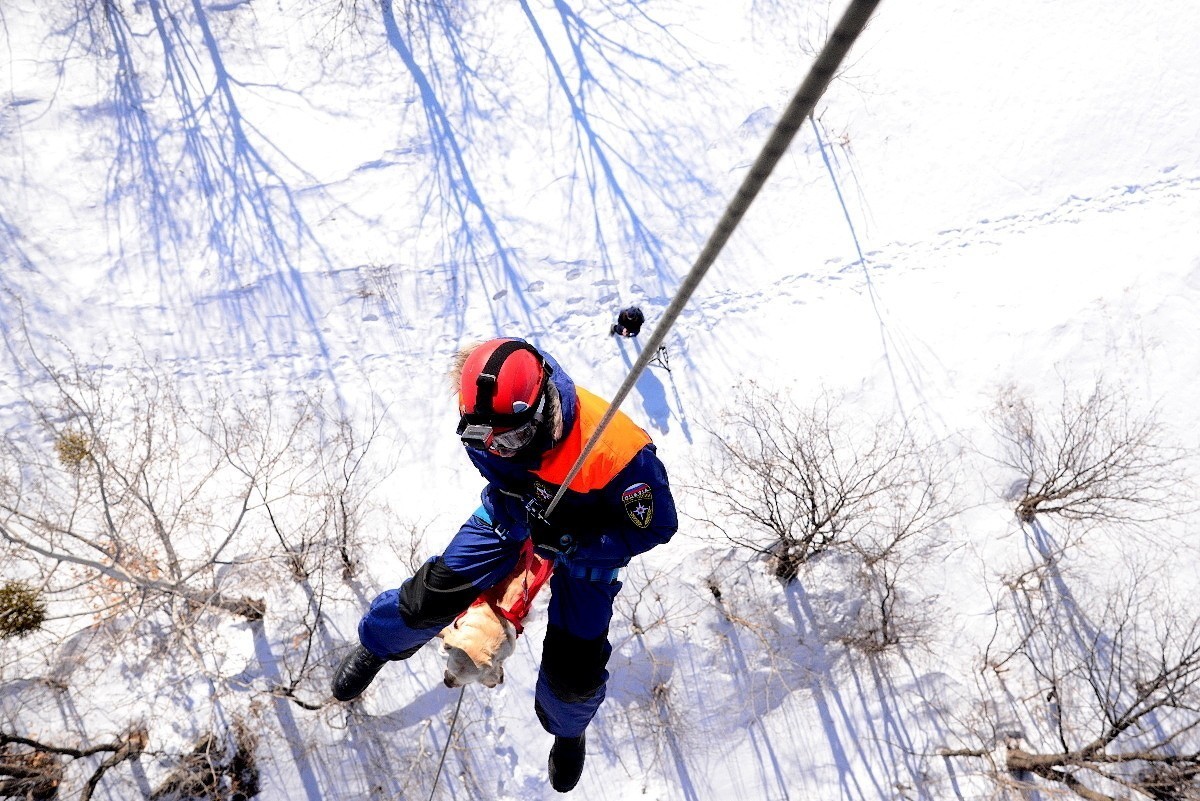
(618, 506)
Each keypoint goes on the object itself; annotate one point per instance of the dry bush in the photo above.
(22, 610)
(119, 498)
(219, 768)
(1094, 458)
(31, 775)
(793, 483)
(647, 616)
(35, 769)
(130, 487)
(884, 619)
(147, 511)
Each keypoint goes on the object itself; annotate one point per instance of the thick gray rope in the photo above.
(853, 21)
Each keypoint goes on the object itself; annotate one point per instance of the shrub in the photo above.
(792, 483)
(72, 448)
(1093, 459)
(21, 609)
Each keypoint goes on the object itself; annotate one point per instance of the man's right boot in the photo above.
(566, 762)
(355, 673)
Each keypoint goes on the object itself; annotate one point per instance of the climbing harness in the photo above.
(534, 571)
(596, 575)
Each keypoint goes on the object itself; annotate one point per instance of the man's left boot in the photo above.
(356, 671)
(566, 762)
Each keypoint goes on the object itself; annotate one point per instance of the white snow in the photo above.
(990, 195)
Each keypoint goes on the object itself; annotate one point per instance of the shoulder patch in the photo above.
(639, 504)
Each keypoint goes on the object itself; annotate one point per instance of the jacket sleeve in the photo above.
(640, 515)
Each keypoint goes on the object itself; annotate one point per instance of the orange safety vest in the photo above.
(622, 440)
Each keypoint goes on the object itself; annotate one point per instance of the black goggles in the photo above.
(483, 437)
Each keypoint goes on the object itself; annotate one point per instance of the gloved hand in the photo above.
(548, 539)
(507, 511)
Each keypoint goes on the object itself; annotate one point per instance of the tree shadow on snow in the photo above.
(1066, 614)
(650, 714)
(769, 763)
(16, 301)
(452, 197)
(286, 715)
(1089, 642)
(198, 194)
(891, 736)
(857, 778)
(598, 79)
(205, 174)
(617, 167)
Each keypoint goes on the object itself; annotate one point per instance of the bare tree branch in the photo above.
(1095, 459)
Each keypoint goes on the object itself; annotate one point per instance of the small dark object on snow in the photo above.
(629, 322)
(355, 673)
(566, 762)
(660, 358)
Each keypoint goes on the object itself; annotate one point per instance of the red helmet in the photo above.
(502, 384)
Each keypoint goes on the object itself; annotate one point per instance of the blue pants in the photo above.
(572, 678)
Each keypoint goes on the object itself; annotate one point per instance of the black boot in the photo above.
(566, 762)
(355, 672)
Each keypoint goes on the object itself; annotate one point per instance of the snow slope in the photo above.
(336, 197)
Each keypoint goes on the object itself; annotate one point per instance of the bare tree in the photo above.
(1115, 707)
(34, 769)
(653, 701)
(1115, 702)
(101, 484)
(1093, 459)
(218, 768)
(138, 513)
(792, 483)
(886, 617)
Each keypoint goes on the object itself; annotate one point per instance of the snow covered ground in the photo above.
(331, 198)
